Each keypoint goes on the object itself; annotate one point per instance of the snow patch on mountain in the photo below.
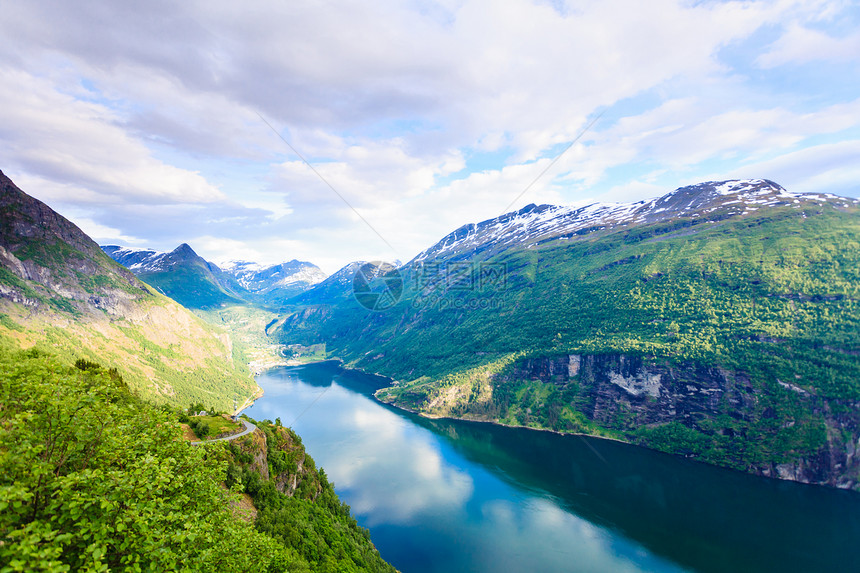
(535, 224)
(137, 259)
(257, 278)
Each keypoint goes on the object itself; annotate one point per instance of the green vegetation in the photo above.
(212, 426)
(161, 372)
(247, 323)
(773, 295)
(312, 353)
(304, 514)
(192, 286)
(92, 478)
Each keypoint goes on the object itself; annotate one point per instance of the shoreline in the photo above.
(249, 401)
(557, 432)
(260, 369)
(425, 415)
(502, 424)
(394, 382)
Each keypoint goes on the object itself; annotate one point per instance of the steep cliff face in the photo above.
(276, 455)
(707, 413)
(52, 264)
(646, 390)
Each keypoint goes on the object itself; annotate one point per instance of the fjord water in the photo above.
(444, 495)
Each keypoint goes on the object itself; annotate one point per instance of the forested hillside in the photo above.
(93, 478)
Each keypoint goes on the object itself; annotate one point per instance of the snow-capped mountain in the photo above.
(198, 283)
(150, 261)
(261, 279)
(181, 274)
(336, 286)
(134, 258)
(536, 224)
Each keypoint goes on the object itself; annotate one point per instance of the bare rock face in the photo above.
(280, 458)
(657, 393)
(57, 259)
(650, 392)
(256, 445)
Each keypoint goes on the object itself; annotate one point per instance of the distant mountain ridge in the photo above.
(147, 260)
(262, 279)
(537, 224)
(198, 283)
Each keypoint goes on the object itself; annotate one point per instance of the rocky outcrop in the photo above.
(53, 258)
(277, 455)
(645, 392)
(649, 390)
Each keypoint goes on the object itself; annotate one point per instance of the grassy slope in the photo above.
(165, 353)
(774, 295)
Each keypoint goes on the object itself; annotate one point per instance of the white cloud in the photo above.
(799, 45)
(104, 235)
(106, 107)
(81, 152)
(828, 168)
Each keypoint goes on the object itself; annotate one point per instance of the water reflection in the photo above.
(706, 518)
(390, 471)
(456, 496)
(428, 507)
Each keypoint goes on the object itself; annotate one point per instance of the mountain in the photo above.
(60, 292)
(336, 286)
(535, 225)
(197, 283)
(182, 275)
(273, 284)
(719, 322)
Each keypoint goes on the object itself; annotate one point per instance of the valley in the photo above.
(718, 323)
(98, 373)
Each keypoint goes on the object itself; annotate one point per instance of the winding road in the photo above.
(249, 427)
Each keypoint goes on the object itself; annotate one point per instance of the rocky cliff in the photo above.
(708, 413)
(276, 455)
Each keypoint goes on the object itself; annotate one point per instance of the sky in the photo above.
(353, 130)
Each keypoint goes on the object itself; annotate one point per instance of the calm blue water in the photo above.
(441, 495)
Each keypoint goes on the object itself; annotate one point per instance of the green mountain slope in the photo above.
(94, 479)
(59, 291)
(724, 327)
(187, 278)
